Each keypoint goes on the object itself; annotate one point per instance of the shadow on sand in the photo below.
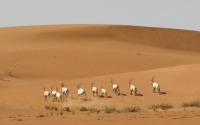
(101, 96)
(4, 80)
(138, 94)
(163, 93)
(123, 94)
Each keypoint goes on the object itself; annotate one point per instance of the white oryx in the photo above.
(94, 89)
(58, 95)
(53, 93)
(155, 85)
(80, 90)
(104, 92)
(64, 90)
(115, 87)
(46, 93)
(132, 87)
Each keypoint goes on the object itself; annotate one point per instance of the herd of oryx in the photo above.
(65, 91)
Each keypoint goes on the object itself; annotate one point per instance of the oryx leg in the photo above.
(67, 94)
(118, 91)
(93, 92)
(96, 94)
(131, 92)
(159, 90)
(154, 90)
(135, 92)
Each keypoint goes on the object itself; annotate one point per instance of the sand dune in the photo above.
(48, 55)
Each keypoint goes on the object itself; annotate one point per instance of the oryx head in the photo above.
(112, 82)
(130, 82)
(152, 79)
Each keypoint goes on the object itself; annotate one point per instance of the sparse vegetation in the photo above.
(110, 109)
(195, 103)
(47, 107)
(9, 71)
(93, 110)
(66, 109)
(83, 109)
(61, 113)
(40, 115)
(73, 113)
(123, 110)
(131, 109)
(163, 106)
(51, 108)
(154, 107)
(16, 119)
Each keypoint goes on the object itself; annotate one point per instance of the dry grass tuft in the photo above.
(131, 109)
(163, 106)
(195, 103)
(83, 109)
(40, 115)
(51, 108)
(123, 110)
(110, 109)
(93, 110)
(9, 71)
(67, 109)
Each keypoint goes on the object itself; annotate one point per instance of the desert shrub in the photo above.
(40, 115)
(163, 106)
(54, 108)
(131, 109)
(61, 113)
(51, 108)
(9, 71)
(154, 107)
(83, 109)
(195, 103)
(110, 109)
(66, 109)
(123, 110)
(47, 107)
(93, 110)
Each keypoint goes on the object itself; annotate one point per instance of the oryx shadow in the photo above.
(163, 93)
(102, 96)
(123, 94)
(5, 80)
(138, 94)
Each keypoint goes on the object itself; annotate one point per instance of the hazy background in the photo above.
(181, 14)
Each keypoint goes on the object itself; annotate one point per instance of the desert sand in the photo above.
(33, 57)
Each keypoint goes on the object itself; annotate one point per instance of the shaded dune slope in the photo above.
(76, 51)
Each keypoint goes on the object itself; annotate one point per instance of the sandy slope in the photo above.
(48, 55)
